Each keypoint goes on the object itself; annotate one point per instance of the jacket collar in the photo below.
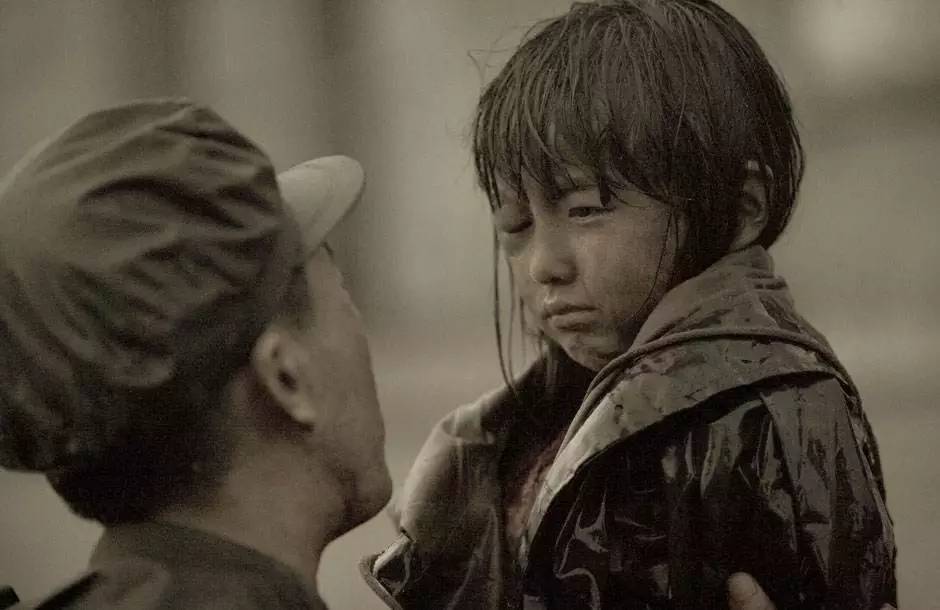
(185, 548)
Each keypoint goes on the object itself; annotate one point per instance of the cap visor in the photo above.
(320, 193)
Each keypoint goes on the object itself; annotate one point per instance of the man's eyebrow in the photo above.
(329, 250)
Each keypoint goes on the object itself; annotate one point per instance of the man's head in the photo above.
(147, 257)
(310, 389)
(666, 107)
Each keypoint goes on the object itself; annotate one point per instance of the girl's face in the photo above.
(588, 271)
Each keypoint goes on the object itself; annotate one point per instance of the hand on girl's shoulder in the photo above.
(744, 593)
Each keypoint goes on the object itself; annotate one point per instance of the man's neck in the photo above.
(276, 520)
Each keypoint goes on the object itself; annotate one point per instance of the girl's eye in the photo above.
(518, 228)
(586, 211)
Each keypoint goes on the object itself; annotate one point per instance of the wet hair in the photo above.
(177, 445)
(670, 97)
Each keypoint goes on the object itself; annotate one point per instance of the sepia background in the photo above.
(393, 83)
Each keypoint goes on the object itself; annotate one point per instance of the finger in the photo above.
(745, 594)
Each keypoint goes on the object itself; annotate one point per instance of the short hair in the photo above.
(674, 97)
(295, 306)
(177, 446)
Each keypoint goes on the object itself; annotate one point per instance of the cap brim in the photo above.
(319, 193)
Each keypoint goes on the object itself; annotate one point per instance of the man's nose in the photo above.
(550, 257)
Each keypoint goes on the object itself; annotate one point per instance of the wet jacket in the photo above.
(146, 566)
(727, 438)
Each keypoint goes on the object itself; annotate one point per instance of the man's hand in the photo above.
(745, 594)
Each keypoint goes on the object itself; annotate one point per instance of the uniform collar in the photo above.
(180, 547)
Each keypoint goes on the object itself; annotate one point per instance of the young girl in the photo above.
(685, 422)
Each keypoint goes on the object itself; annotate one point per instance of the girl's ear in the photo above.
(752, 208)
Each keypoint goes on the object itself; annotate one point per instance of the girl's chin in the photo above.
(590, 358)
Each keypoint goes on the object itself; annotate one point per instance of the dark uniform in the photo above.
(159, 565)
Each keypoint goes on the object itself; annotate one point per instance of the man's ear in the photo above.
(752, 208)
(277, 362)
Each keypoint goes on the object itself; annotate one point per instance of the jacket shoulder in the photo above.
(810, 415)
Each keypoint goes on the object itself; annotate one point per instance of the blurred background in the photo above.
(393, 83)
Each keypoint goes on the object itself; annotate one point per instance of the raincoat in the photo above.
(729, 437)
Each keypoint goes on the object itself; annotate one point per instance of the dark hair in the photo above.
(174, 449)
(673, 97)
(294, 307)
(175, 445)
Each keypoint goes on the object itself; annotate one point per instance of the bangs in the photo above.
(658, 97)
(574, 98)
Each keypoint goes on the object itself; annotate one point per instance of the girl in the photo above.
(640, 157)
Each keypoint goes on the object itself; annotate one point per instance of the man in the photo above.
(180, 358)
